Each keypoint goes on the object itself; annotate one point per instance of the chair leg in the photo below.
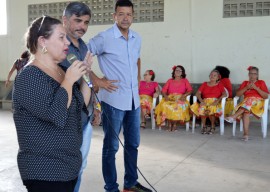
(241, 125)
(193, 123)
(153, 123)
(264, 126)
(187, 126)
(234, 128)
(265, 116)
(221, 122)
(153, 120)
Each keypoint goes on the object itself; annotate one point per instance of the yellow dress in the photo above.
(172, 110)
(207, 110)
(252, 105)
(229, 107)
(146, 102)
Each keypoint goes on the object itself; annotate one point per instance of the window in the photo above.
(246, 8)
(3, 16)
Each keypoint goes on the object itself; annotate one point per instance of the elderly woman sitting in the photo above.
(174, 107)
(148, 89)
(254, 91)
(209, 94)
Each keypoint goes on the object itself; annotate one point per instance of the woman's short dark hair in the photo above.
(42, 26)
(25, 54)
(223, 71)
(77, 8)
(123, 3)
(183, 75)
(151, 72)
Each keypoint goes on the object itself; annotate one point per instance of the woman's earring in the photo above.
(44, 50)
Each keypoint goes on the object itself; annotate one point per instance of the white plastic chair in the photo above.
(264, 118)
(153, 120)
(152, 113)
(221, 118)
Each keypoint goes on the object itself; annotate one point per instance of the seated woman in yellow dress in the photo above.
(209, 94)
(254, 91)
(225, 80)
(174, 107)
(148, 89)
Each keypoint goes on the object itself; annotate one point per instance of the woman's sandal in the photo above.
(203, 130)
(211, 131)
(245, 138)
(229, 119)
(143, 124)
(146, 116)
(174, 128)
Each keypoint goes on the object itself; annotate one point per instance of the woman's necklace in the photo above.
(57, 69)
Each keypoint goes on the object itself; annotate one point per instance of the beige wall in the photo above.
(236, 43)
(193, 34)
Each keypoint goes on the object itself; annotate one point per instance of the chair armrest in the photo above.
(223, 101)
(188, 98)
(160, 97)
(235, 99)
(154, 102)
(266, 104)
(194, 99)
(227, 93)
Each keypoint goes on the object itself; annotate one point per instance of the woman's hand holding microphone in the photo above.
(79, 68)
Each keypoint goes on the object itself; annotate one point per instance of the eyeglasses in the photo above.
(253, 73)
(41, 23)
(178, 70)
(145, 74)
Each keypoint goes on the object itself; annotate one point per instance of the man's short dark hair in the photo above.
(76, 8)
(123, 3)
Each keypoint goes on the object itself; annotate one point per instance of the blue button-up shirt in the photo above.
(117, 57)
(80, 53)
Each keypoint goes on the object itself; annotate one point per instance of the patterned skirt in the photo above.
(229, 107)
(172, 110)
(252, 105)
(206, 110)
(146, 102)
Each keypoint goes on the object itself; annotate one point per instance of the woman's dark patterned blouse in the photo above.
(49, 134)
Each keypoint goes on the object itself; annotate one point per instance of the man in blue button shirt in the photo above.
(118, 52)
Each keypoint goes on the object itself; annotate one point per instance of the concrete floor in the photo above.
(172, 162)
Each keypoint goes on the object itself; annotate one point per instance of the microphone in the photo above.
(71, 58)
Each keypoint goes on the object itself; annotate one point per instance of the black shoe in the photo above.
(137, 188)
